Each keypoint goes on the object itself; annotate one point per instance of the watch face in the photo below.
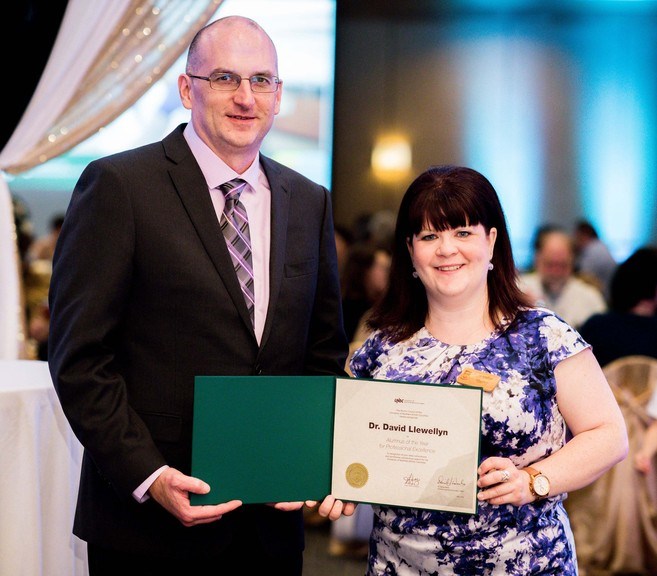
(541, 485)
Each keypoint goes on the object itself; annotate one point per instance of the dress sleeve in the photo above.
(365, 357)
(562, 340)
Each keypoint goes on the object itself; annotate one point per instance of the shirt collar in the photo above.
(214, 169)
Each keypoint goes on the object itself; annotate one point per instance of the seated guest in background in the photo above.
(381, 228)
(452, 302)
(377, 227)
(630, 326)
(38, 270)
(363, 279)
(38, 328)
(553, 284)
(343, 241)
(43, 248)
(593, 260)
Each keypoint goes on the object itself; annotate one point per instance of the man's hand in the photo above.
(171, 490)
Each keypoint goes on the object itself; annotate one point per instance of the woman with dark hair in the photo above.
(453, 301)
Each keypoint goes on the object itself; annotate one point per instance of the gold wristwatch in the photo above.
(539, 485)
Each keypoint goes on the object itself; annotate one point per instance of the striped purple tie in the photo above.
(235, 226)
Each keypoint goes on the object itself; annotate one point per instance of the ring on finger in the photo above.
(505, 475)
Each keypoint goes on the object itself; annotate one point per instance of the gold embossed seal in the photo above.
(357, 475)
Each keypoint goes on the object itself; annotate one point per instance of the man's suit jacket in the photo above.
(143, 298)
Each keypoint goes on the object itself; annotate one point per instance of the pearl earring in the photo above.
(490, 266)
(414, 273)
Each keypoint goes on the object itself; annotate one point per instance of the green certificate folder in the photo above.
(263, 438)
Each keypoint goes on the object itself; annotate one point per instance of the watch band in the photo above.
(533, 473)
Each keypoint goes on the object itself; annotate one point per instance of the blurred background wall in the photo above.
(555, 102)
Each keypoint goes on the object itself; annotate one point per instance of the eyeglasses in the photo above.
(227, 82)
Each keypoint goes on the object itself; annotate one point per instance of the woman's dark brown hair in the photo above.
(446, 197)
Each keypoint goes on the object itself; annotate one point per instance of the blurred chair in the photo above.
(614, 520)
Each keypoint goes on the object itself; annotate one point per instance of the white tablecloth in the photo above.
(39, 473)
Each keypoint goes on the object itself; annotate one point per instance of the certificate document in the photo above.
(406, 444)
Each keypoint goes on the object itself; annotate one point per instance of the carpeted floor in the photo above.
(319, 562)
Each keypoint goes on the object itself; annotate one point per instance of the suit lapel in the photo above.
(192, 189)
(280, 201)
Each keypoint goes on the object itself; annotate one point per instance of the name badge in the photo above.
(472, 377)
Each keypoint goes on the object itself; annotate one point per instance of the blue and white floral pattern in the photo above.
(520, 421)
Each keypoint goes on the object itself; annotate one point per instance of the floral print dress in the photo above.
(520, 421)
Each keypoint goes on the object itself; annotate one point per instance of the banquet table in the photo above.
(39, 472)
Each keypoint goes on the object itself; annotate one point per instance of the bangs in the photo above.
(442, 209)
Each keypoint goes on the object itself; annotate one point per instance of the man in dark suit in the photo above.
(145, 296)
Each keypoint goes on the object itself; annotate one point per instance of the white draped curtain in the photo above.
(105, 57)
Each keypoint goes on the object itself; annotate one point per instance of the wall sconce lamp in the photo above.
(391, 157)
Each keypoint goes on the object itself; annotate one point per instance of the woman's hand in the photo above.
(330, 507)
(500, 482)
